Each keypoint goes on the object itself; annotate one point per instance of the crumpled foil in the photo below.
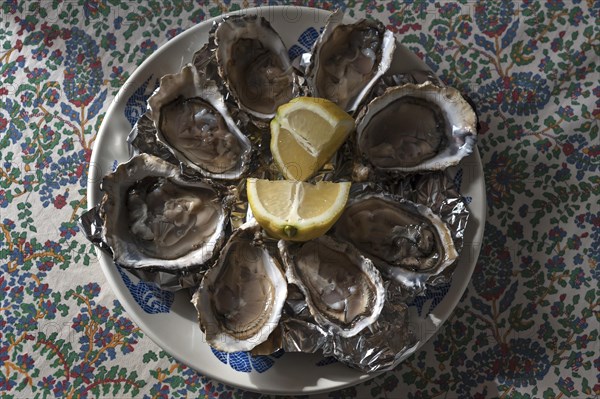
(142, 139)
(379, 347)
(382, 345)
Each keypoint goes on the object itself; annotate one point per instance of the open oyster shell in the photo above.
(414, 128)
(192, 120)
(240, 299)
(343, 289)
(254, 64)
(405, 240)
(156, 219)
(347, 60)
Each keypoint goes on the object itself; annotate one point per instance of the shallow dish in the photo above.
(170, 320)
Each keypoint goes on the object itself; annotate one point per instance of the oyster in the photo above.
(348, 59)
(343, 289)
(254, 64)
(240, 299)
(191, 119)
(416, 127)
(155, 218)
(406, 241)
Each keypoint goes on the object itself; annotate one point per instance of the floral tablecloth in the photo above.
(528, 324)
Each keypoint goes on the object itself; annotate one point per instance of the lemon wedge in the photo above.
(294, 210)
(305, 134)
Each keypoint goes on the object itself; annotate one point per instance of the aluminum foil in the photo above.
(379, 347)
(386, 342)
(390, 339)
(142, 139)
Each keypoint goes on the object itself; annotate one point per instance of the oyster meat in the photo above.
(343, 289)
(348, 59)
(254, 64)
(193, 122)
(402, 238)
(155, 218)
(240, 299)
(201, 134)
(412, 128)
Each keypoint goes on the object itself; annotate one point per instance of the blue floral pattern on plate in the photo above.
(305, 43)
(137, 104)
(149, 296)
(244, 362)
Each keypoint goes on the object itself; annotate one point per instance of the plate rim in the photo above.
(136, 314)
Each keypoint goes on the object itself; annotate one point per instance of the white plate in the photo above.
(169, 319)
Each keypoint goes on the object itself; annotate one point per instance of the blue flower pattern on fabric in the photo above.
(151, 299)
(528, 65)
(521, 93)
